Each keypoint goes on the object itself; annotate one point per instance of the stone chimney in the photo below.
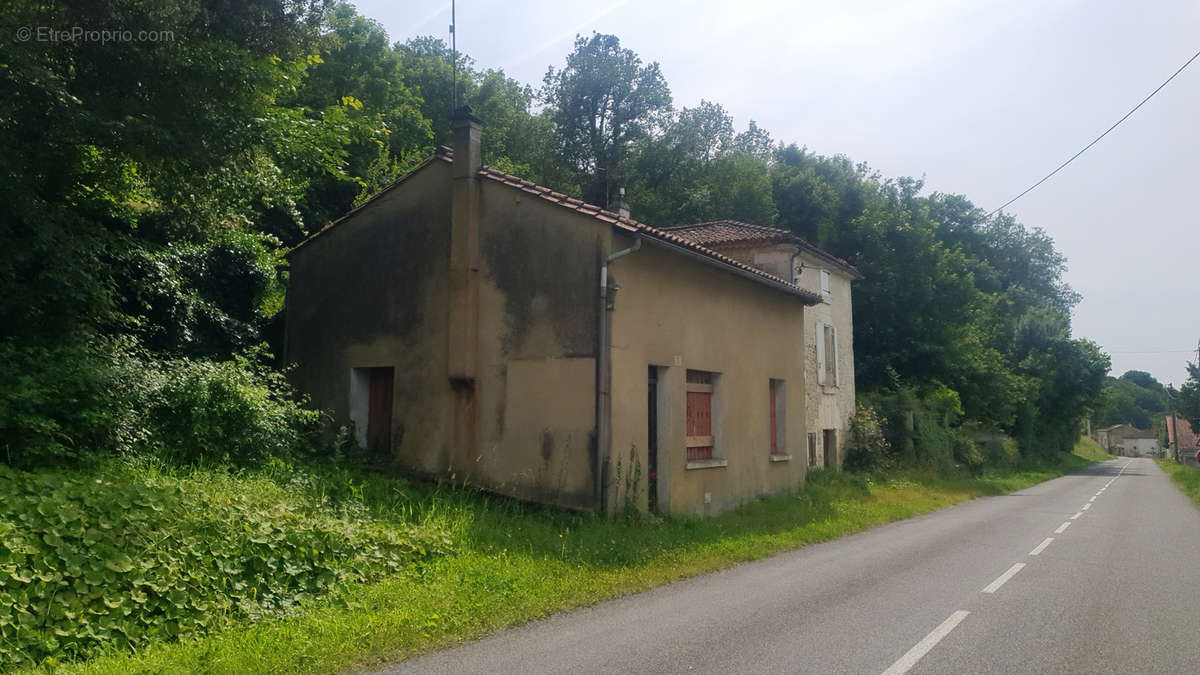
(464, 250)
(619, 206)
(467, 157)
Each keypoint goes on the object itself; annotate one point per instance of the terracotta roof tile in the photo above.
(445, 154)
(732, 233)
(631, 225)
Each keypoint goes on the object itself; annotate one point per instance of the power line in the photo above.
(1085, 149)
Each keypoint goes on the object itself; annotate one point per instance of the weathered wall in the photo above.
(538, 309)
(375, 292)
(678, 313)
(829, 405)
(372, 292)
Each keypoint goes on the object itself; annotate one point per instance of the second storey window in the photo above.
(825, 292)
(827, 355)
(699, 415)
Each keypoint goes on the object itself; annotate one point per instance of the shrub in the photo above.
(867, 447)
(66, 403)
(226, 411)
(72, 404)
(120, 557)
(967, 451)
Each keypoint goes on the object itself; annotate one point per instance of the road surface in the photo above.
(1096, 572)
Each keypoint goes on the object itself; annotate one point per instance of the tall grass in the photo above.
(515, 562)
(1187, 478)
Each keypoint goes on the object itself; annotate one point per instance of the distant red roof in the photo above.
(1187, 437)
(734, 233)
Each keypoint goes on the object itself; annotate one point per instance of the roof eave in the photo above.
(809, 298)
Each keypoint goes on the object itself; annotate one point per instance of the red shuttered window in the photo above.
(699, 415)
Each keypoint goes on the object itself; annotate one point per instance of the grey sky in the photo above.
(981, 97)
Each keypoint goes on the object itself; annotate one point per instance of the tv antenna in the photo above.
(453, 61)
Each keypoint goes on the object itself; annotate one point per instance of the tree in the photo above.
(601, 102)
(134, 175)
(1189, 396)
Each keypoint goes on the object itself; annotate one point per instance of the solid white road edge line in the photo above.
(1063, 528)
(910, 658)
(1000, 581)
(1042, 546)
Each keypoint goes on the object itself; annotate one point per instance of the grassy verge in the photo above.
(513, 563)
(1187, 478)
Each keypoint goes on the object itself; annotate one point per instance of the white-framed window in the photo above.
(825, 292)
(827, 355)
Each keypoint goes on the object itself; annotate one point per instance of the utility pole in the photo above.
(1174, 427)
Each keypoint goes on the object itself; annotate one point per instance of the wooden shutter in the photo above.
(830, 356)
(699, 415)
(837, 373)
(820, 340)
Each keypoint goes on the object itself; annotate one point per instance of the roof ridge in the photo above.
(733, 238)
(607, 216)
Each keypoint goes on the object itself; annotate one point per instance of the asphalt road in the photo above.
(1096, 572)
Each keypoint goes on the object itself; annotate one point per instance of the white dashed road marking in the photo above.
(995, 585)
(1042, 546)
(910, 658)
(1077, 514)
(1063, 528)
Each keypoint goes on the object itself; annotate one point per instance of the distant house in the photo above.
(828, 327)
(1189, 441)
(1126, 440)
(476, 326)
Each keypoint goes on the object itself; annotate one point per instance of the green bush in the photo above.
(967, 452)
(867, 448)
(122, 556)
(71, 404)
(225, 411)
(67, 403)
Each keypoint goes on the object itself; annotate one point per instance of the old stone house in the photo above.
(828, 326)
(1126, 440)
(1181, 438)
(479, 327)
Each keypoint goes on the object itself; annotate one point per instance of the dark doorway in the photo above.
(379, 412)
(831, 461)
(652, 437)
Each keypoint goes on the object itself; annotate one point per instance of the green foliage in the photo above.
(867, 448)
(235, 411)
(516, 562)
(129, 555)
(1189, 397)
(603, 101)
(1185, 477)
(73, 404)
(1134, 398)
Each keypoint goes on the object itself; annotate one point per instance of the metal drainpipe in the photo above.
(604, 380)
